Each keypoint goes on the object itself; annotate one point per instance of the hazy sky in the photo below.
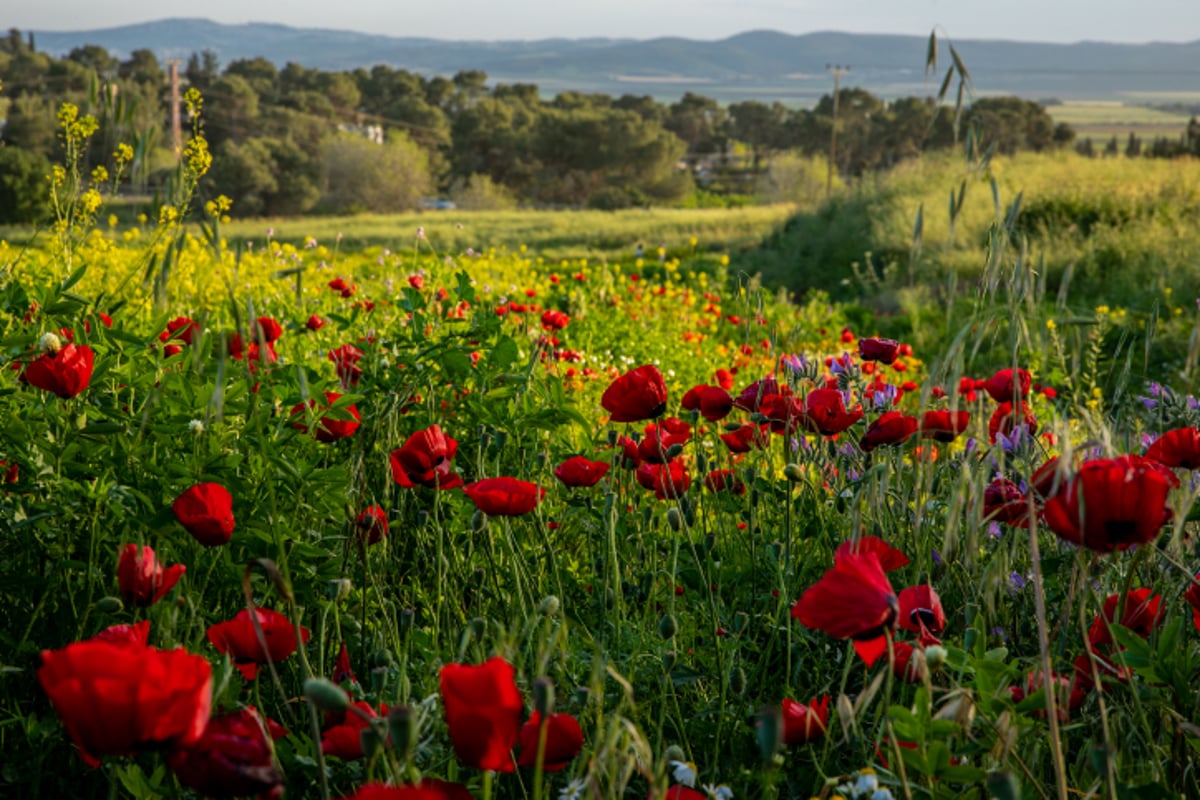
(1036, 20)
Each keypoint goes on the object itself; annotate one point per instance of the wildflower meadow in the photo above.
(315, 521)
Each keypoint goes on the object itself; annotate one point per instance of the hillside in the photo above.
(766, 65)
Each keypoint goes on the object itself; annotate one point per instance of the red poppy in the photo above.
(1046, 481)
(206, 511)
(1142, 614)
(142, 580)
(65, 372)
(680, 792)
(315, 323)
(266, 329)
(724, 379)
(629, 458)
(944, 426)
(805, 723)
(752, 396)
(657, 442)
(342, 671)
(483, 712)
(1004, 502)
(904, 666)
(1112, 503)
(784, 412)
(825, 412)
(427, 789)
(372, 524)
(667, 481)
(639, 394)
(889, 557)
(121, 698)
(891, 428)
(921, 610)
(345, 361)
(233, 758)
(1192, 596)
(238, 639)
(884, 351)
(135, 635)
(1006, 418)
(332, 424)
(691, 398)
(424, 460)
(715, 404)
(340, 286)
(184, 329)
(1007, 386)
(746, 438)
(344, 740)
(1177, 448)
(564, 740)
(504, 497)
(724, 480)
(1068, 693)
(578, 471)
(853, 600)
(555, 320)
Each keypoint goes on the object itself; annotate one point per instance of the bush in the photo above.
(359, 174)
(23, 196)
(481, 193)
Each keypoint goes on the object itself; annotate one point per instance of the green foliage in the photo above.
(362, 175)
(23, 176)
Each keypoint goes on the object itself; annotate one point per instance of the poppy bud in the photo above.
(407, 617)
(378, 679)
(403, 729)
(422, 518)
(674, 450)
(550, 606)
(769, 732)
(731, 427)
(339, 589)
(674, 519)
(109, 605)
(543, 697)
(612, 438)
(737, 681)
(701, 462)
(793, 472)
(710, 541)
(379, 658)
(371, 740)
(49, 343)
(326, 696)
(935, 656)
(668, 662)
(479, 521)
(1003, 785)
(668, 627)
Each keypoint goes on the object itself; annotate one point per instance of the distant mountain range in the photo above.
(765, 65)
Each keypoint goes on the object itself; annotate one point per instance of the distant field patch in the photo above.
(1104, 119)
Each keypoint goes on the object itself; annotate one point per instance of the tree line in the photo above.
(297, 140)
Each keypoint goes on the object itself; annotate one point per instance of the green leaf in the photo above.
(503, 355)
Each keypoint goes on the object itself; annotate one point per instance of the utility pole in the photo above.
(176, 122)
(837, 71)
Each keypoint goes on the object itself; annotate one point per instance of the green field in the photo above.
(1105, 119)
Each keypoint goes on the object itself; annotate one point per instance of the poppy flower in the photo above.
(944, 426)
(784, 412)
(921, 610)
(329, 427)
(141, 579)
(578, 471)
(135, 635)
(1007, 385)
(853, 600)
(1142, 613)
(752, 396)
(483, 712)
(1112, 503)
(345, 361)
(554, 320)
(1177, 448)
(825, 412)
(65, 371)
(344, 740)
(884, 351)
(206, 512)
(424, 460)
(564, 740)
(233, 758)
(340, 286)
(629, 458)
(1192, 596)
(715, 404)
(891, 428)
(1003, 501)
(1068, 694)
(805, 723)
(504, 497)
(904, 666)
(667, 481)
(724, 379)
(238, 639)
(745, 438)
(315, 323)
(426, 789)
(121, 698)
(691, 398)
(889, 557)
(372, 524)
(656, 444)
(724, 480)
(1047, 480)
(639, 394)
(342, 671)
(183, 329)
(1006, 418)
(267, 329)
